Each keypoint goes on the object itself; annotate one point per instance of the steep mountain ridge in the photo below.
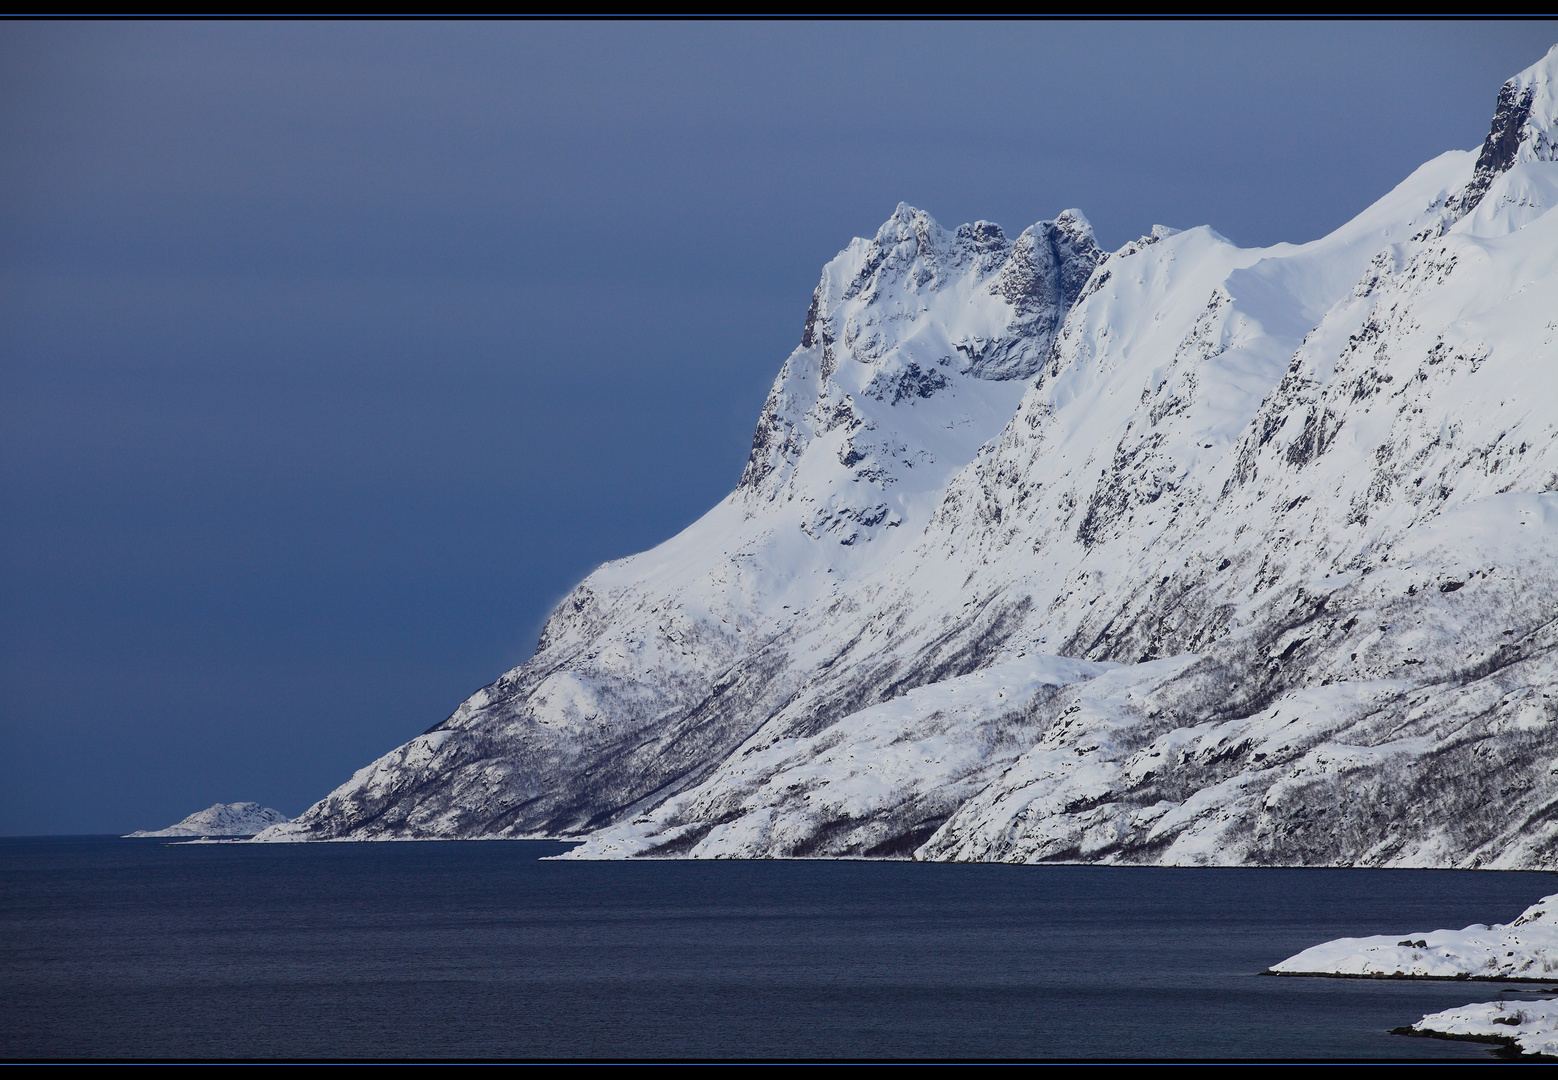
(1292, 509)
(656, 666)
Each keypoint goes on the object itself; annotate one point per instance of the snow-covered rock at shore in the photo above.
(222, 819)
(1290, 512)
(1531, 1027)
(1526, 948)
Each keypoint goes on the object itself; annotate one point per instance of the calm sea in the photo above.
(147, 949)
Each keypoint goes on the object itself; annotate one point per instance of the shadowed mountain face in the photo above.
(1292, 513)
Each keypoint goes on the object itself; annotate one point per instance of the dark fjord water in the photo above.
(141, 948)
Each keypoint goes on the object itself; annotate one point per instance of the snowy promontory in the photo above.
(1526, 948)
(222, 819)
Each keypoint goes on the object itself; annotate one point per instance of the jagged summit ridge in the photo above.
(915, 312)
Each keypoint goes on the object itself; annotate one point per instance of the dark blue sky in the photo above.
(331, 356)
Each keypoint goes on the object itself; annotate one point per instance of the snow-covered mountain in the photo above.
(1291, 512)
(222, 819)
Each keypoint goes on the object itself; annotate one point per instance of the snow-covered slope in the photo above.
(223, 819)
(1300, 501)
(876, 783)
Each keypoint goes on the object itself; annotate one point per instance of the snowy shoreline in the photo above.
(1524, 951)
(1549, 980)
(1505, 1045)
(1530, 1028)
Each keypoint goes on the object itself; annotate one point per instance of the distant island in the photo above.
(222, 819)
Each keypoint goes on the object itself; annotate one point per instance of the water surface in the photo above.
(148, 949)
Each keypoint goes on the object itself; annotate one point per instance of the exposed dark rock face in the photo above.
(1501, 145)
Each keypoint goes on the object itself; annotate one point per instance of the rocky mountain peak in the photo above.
(982, 236)
(910, 244)
(1524, 128)
(905, 317)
